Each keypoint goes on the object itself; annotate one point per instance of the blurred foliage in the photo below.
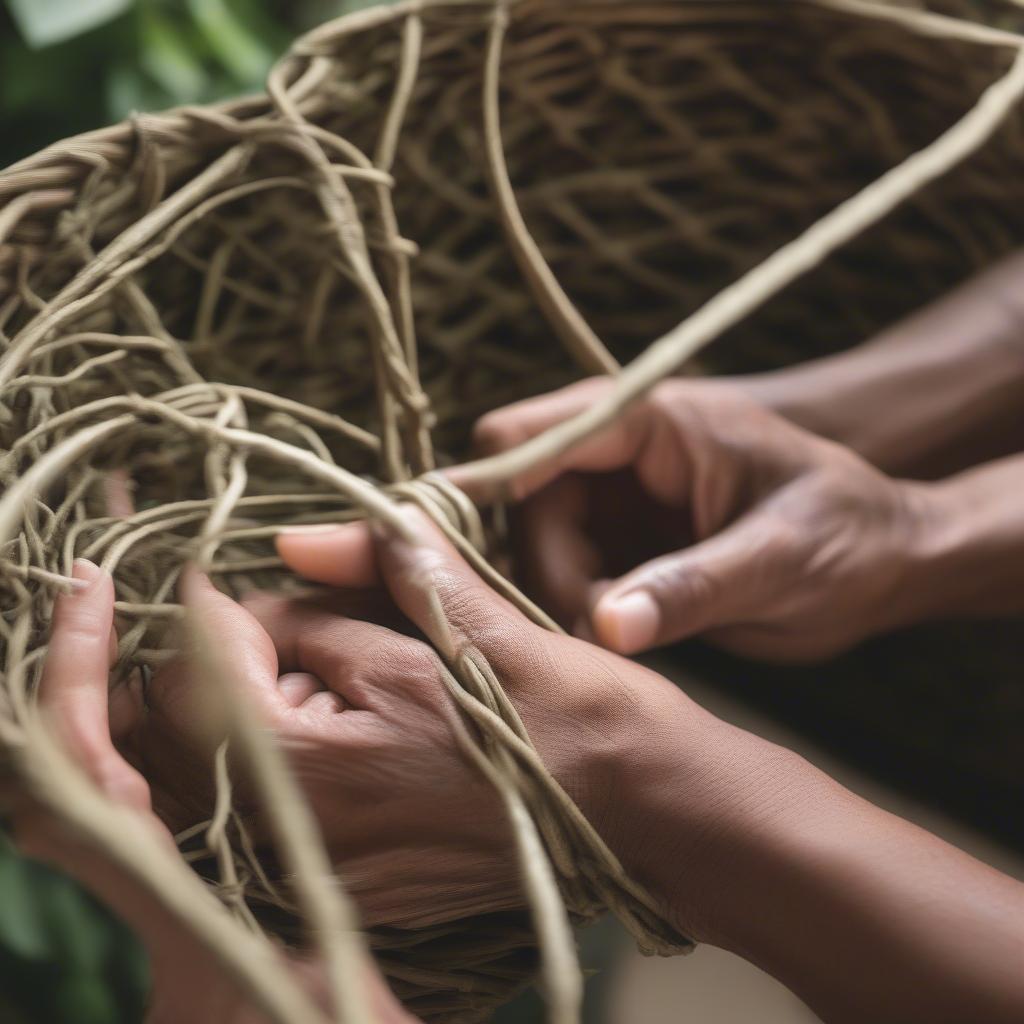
(68, 66)
(62, 957)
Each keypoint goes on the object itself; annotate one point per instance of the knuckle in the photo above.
(782, 535)
(495, 431)
(669, 398)
(130, 788)
(775, 560)
(422, 660)
(695, 588)
(471, 612)
(677, 583)
(409, 660)
(263, 604)
(116, 778)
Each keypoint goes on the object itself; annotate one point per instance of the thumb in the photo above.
(427, 578)
(715, 583)
(73, 689)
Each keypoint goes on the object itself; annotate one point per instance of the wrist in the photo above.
(702, 808)
(966, 560)
(931, 394)
(919, 545)
(796, 394)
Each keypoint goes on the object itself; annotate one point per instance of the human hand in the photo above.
(747, 845)
(699, 512)
(360, 712)
(188, 984)
(652, 771)
(362, 715)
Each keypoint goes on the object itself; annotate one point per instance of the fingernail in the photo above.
(86, 572)
(630, 622)
(311, 528)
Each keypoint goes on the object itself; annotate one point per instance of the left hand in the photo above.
(187, 984)
(699, 512)
(361, 714)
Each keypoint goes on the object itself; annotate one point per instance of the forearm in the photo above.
(937, 392)
(867, 917)
(863, 915)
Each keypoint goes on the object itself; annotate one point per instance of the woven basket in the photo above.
(436, 209)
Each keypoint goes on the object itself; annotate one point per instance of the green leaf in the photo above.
(169, 57)
(86, 999)
(238, 50)
(22, 927)
(43, 22)
(80, 932)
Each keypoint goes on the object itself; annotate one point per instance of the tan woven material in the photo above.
(290, 308)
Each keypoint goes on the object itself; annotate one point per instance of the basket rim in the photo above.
(123, 132)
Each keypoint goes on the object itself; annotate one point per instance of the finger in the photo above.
(73, 689)
(439, 592)
(289, 622)
(239, 635)
(352, 556)
(779, 642)
(350, 657)
(126, 707)
(612, 448)
(369, 604)
(413, 571)
(298, 687)
(727, 579)
(511, 425)
(117, 492)
(561, 561)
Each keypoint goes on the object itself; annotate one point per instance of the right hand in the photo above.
(419, 836)
(659, 778)
(699, 512)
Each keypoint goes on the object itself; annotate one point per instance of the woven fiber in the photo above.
(291, 308)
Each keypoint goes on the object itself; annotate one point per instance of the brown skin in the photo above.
(360, 711)
(767, 540)
(802, 548)
(744, 843)
(747, 845)
(187, 984)
(936, 393)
